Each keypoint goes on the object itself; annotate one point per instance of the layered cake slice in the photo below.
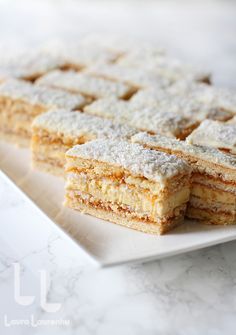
(215, 134)
(138, 78)
(147, 119)
(126, 184)
(29, 64)
(78, 55)
(57, 131)
(195, 100)
(167, 67)
(215, 97)
(213, 189)
(21, 102)
(85, 84)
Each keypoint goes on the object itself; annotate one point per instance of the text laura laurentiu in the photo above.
(33, 322)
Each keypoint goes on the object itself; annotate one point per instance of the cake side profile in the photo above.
(127, 184)
(213, 187)
(21, 102)
(57, 131)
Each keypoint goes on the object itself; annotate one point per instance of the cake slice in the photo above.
(57, 131)
(138, 78)
(215, 134)
(213, 189)
(195, 100)
(78, 55)
(216, 97)
(148, 119)
(126, 184)
(29, 64)
(21, 102)
(159, 63)
(85, 84)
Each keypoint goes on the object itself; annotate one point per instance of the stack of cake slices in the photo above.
(213, 182)
(127, 184)
(142, 139)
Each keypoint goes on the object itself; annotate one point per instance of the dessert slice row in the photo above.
(124, 183)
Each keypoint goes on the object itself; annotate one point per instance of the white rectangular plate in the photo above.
(108, 244)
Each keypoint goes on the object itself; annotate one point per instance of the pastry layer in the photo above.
(76, 55)
(122, 216)
(163, 65)
(19, 90)
(210, 217)
(57, 131)
(118, 192)
(199, 100)
(215, 134)
(43, 156)
(50, 165)
(138, 78)
(213, 195)
(85, 84)
(21, 102)
(68, 126)
(216, 206)
(149, 119)
(29, 64)
(154, 166)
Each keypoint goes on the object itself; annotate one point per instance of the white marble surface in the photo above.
(194, 293)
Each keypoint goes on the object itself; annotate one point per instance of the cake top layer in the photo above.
(29, 63)
(214, 134)
(74, 52)
(222, 98)
(137, 77)
(163, 122)
(108, 107)
(84, 83)
(76, 124)
(150, 119)
(195, 100)
(161, 64)
(36, 95)
(202, 152)
(153, 165)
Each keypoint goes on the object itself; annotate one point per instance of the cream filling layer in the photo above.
(120, 193)
(210, 216)
(213, 206)
(212, 195)
(213, 183)
(51, 151)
